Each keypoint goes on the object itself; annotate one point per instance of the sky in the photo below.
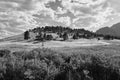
(16, 16)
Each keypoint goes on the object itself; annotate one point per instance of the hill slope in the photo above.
(113, 30)
(15, 38)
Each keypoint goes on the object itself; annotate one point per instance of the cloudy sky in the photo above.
(17, 16)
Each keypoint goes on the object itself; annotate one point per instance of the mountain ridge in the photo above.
(114, 30)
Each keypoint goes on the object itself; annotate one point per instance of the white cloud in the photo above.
(101, 18)
(9, 4)
(66, 20)
(60, 11)
(95, 21)
(25, 14)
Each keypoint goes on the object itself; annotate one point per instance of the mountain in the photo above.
(113, 30)
(116, 28)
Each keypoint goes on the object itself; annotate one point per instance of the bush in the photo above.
(4, 52)
(26, 35)
(49, 37)
(46, 64)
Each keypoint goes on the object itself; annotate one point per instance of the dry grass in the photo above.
(28, 45)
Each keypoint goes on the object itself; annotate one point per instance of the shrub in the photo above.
(46, 64)
(4, 52)
(26, 35)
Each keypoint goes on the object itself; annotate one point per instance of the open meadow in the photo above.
(85, 46)
(60, 60)
(29, 44)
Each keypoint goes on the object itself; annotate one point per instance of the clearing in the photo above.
(15, 45)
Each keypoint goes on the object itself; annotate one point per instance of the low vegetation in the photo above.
(46, 64)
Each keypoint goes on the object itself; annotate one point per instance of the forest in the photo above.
(49, 32)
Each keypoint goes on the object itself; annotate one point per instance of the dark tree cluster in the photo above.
(108, 37)
(26, 35)
(64, 32)
(60, 29)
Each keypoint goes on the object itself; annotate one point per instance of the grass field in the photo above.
(81, 46)
(15, 45)
(77, 46)
(70, 60)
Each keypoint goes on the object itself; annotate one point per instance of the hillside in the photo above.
(116, 28)
(51, 31)
(15, 38)
(113, 30)
(61, 33)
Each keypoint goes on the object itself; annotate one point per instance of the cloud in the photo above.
(115, 4)
(60, 11)
(21, 15)
(65, 20)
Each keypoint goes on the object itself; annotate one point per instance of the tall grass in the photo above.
(46, 64)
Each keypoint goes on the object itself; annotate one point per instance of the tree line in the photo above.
(64, 32)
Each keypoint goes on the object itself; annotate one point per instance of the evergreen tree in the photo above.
(40, 36)
(108, 37)
(49, 37)
(44, 36)
(75, 36)
(65, 36)
(26, 35)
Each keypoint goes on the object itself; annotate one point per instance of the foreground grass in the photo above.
(46, 64)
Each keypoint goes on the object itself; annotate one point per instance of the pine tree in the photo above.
(26, 35)
(65, 36)
(75, 36)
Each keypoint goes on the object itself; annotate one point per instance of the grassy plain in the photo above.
(15, 45)
(81, 46)
(70, 60)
